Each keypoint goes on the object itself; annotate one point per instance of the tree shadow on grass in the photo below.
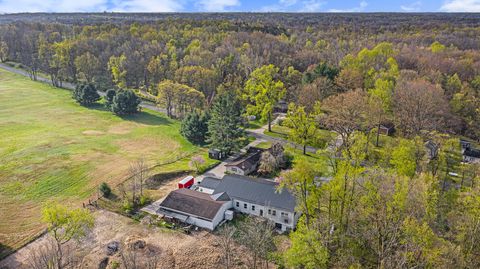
(99, 107)
(147, 118)
(5, 251)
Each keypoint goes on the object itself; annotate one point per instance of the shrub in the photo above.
(125, 102)
(127, 206)
(110, 94)
(105, 189)
(196, 163)
(144, 200)
(115, 265)
(85, 94)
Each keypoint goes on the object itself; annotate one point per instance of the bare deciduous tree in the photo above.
(419, 105)
(46, 256)
(257, 235)
(226, 240)
(136, 258)
(139, 173)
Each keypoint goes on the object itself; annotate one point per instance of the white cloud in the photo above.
(288, 3)
(312, 6)
(461, 6)
(217, 5)
(15, 6)
(146, 5)
(413, 7)
(295, 6)
(360, 8)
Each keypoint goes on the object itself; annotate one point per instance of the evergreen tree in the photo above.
(224, 126)
(109, 98)
(195, 127)
(86, 94)
(125, 102)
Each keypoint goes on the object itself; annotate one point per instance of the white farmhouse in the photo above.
(260, 197)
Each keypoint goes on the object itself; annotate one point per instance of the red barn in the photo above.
(186, 182)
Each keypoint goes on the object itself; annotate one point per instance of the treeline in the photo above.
(394, 208)
(185, 62)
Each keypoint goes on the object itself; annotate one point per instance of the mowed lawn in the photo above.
(54, 149)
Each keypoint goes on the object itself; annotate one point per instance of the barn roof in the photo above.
(193, 203)
(209, 182)
(256, 190)
(248, 161)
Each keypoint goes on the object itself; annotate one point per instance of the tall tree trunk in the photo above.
(269, 122)
(378, 135)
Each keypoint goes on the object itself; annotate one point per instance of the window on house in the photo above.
(269, 212)
(283, 214)
(274, 212)
(285, 220)
(238, 204)
(253, 208)
(245, 206)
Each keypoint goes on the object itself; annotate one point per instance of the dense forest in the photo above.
(394, 204)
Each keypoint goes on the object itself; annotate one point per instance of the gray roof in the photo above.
(222, 196)
(209, 182)
(192, 202)
(256, 190)
(248, 161)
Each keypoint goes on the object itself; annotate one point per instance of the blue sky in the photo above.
(13, 6)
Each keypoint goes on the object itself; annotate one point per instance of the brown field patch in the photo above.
(147, 146)
(92, 132)
(201, 248)
(121, 128)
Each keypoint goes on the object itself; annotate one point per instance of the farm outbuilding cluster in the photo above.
(214, 200)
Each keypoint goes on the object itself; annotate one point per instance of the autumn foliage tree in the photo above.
(419, 105)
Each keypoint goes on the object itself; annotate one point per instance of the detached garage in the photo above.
(196, 208)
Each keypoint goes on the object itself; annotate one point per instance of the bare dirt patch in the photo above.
(172, 248)
(148, 145)
(92, 132)
(120, 129)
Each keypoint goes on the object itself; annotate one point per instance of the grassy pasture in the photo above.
(52, 148)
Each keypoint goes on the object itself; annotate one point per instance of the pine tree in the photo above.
(125, 102)
(195, 127)
(86, 94)
(224, 126)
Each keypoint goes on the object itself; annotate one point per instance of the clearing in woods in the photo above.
(53, 148)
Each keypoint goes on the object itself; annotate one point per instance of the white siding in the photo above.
(221, 213)
(277, 218)
(207, 224)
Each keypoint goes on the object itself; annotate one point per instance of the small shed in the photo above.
(386, 128)
(471, 155)
(216, 154)
(186, 182)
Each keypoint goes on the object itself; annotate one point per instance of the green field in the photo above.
(52, 148)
